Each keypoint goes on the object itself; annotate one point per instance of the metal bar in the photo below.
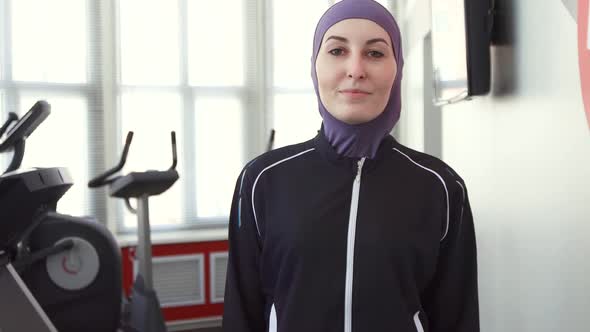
(19, 311)
(144, 242)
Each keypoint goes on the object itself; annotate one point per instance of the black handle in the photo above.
(19, 146)
(271, 140)
(17, 156)
(11, 118)
(22, 263)
(173, 137)
(25, 126)
(103, 179)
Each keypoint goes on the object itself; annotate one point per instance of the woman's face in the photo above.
(355, 69)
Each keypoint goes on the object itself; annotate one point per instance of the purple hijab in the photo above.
(360, 140)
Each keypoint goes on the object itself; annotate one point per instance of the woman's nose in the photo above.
(356, 68)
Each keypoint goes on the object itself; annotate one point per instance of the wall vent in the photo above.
(179, 280)
(218, 269)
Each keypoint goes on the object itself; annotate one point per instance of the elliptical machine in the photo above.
(142, 311)
(56, 272)
(63, 273)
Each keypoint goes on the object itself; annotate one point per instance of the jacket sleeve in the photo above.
(244, 301)
(451, 300)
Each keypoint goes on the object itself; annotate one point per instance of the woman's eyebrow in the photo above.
(370, 41)
(342, 39)
(376, 40)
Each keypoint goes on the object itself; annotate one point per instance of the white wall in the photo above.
(524, 152)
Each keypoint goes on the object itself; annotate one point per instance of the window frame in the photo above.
(90, 90)
(103, 91)
(249, 95)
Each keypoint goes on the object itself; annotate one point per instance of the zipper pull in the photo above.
(359, 168)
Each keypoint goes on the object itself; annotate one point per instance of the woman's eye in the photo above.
(375, 54)
(337, 51)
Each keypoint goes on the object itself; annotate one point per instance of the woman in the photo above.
(351, 231)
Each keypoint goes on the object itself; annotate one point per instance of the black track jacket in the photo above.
(320, 242)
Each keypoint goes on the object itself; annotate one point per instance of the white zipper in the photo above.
(272, 319)
(350, 247)
(417, 322)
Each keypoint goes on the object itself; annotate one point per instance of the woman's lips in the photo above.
(354, 93)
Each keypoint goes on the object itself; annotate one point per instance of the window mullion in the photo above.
(10, 96)
(5, 40)
(188, 138)
(258, 62)
(110, 114)
(4, 23)
(97, 201)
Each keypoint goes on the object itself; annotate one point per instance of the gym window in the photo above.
(219, 73)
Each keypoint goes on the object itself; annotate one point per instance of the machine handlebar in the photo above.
(107, 177)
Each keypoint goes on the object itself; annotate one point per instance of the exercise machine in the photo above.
(142, 311)
(57, 272)
(63, 273)
(19, 310)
